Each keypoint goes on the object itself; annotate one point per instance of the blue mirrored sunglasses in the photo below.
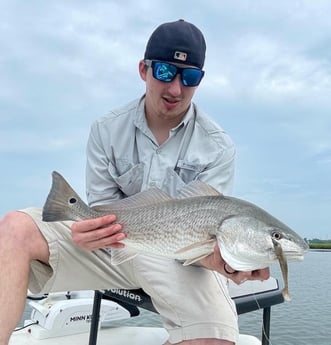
(166, 72)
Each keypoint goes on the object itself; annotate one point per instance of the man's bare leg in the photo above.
(20, 242)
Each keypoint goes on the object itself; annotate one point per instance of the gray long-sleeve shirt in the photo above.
(124, 158)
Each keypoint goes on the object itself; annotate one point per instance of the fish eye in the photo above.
(72, 201)
(276, 235)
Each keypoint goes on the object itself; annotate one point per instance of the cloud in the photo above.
(268, 80)
(19, 141)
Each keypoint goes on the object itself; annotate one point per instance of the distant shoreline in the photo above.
(321, 246)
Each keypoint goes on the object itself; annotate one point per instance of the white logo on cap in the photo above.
(180, 56)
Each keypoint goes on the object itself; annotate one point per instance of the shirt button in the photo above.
(158, 151)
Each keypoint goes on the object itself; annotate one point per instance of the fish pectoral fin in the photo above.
(196, 251)
(210, 244)
(118, 256)
(192, 261)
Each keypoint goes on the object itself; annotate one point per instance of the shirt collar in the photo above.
(141, 123)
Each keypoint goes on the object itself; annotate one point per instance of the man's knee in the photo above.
(17, 225)
(18, 229)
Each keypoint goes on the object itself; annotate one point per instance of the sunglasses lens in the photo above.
(191, 76)
(167, 72)
(164, 71)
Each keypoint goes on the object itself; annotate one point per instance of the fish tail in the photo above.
(284, 269)
(60, 201)
(286, 294)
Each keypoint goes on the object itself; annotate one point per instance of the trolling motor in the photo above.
(66, 313)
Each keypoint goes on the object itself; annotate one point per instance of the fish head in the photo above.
(292, 245)
(247, 238)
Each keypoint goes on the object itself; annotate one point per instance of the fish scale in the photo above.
(168, 224)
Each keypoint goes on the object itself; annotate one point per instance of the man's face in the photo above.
(167, 100)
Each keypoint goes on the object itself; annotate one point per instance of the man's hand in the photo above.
(215, 262)
(92, 234)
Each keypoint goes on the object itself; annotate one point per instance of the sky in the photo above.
(65, 63)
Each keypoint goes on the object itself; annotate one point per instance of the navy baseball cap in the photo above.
(178, 41)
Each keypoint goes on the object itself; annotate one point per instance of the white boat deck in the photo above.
(111, 336)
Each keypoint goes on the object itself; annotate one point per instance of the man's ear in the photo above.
(142, 70)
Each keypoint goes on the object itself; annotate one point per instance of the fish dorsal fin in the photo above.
(154, 196)
(197, 188)
(146, 198)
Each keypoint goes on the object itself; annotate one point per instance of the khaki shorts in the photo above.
(193, 302)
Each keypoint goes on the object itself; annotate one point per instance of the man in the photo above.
(161, 140)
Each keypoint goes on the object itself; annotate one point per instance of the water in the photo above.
(304, 320)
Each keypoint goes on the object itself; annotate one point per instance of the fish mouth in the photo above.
(295, 251)
(294, 256)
